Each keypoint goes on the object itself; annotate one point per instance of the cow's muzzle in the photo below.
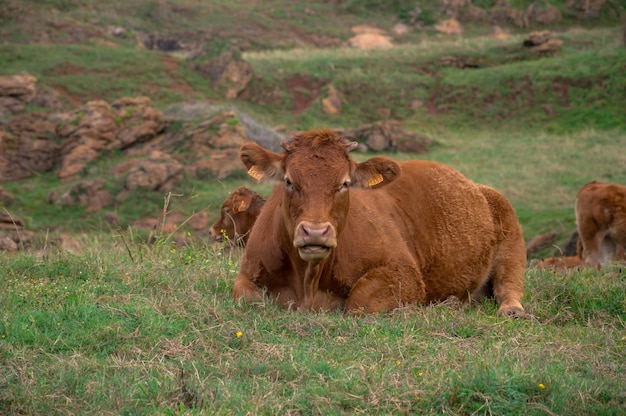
(314, 241)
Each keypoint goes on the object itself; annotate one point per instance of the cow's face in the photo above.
(317, 172)
(235, 219)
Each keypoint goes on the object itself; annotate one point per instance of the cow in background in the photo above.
(237, 216)
(373, 236)
(601, 221)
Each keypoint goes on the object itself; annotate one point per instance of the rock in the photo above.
(16, 91)
(159, 172)
(90, 194)
(5, 197)
(93, 125)
(551, 47)
(70, 243)
(400, 29)
(75, 161)
(541, 43)
(450, 27)
(10, 222)
(220, 163)
(545, 16)
(332, 103)
(388, 136)
(160, 43)
(498, 33)
(459, 61)
(199, 221)
(370, 41)
(369, 37)
(586, 9)
(139, 122)
(7, 244)
(228, 71)
(537, 38)
(21, 157)
(48, 98)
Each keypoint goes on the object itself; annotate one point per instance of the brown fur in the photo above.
(237, 216)
(376, 235)
(601, 221)
(561, 263)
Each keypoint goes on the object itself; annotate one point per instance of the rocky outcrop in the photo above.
(541, 43)
(16, 92)
(387, 136)
(159, 172)
(22, 155)
(93, 195)
(368, 37)
(227, 72)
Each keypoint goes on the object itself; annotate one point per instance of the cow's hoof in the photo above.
(515, 312)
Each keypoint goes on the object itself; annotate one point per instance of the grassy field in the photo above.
(127, 328)
(129, 322)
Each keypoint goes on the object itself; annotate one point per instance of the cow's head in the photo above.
(316, 172)
(237, 216)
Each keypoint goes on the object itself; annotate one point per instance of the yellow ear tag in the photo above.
(253, 172)
(242, 206)
(375, 180)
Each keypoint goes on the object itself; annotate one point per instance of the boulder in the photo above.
(5, 197)
(10, 222)
(21, 157)
(90, 194)
(543, 15)
(75, 161)
(450, 27)
(388, 136)
(16, 91)
(228, 72)
(369, 37)
(93, 125)
(7, 244)
(159, 172)
(332, 103)
(138, 122)
(541, 43)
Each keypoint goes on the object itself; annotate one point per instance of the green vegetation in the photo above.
(151, 329)
(134, 323)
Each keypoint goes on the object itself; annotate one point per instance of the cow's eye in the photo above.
(289, 185)
(343, 186)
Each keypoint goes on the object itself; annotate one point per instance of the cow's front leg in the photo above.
(246, 289)
(385, 289)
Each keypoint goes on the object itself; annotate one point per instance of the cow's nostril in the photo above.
(316, 231)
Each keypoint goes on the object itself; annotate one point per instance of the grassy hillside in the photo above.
(115, 320)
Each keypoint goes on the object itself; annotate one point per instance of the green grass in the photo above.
(134, 323)
(100, 333)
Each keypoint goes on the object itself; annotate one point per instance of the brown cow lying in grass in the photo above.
(237, 216)
(601, 221)
(375, 235)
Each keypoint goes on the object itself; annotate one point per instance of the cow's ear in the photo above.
(375, 172)
(242, 203)
(262, 164)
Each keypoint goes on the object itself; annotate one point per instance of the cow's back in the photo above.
(433, 211)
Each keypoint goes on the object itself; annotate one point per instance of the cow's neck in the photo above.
(311, 283)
